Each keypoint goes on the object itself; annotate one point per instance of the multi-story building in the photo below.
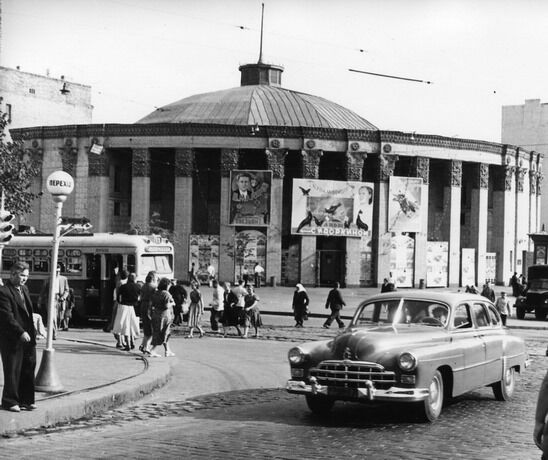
(308, 189)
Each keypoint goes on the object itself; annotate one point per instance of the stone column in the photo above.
(140, 188)
(504, 221)
(420, 167)
(35, 154)
(182, 215)
(229, 161)
(98, 191)
(532, 206)
(354, 169)
(69, 159)
(451, 226)
(275, 159)
(540, 178)
(311, 170)
(522, 215)
(478, 219)
(381, 235)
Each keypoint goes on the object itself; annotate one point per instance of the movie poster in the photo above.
(404, 205)
(468, 267)
(437, 263)
(331, 208)
(402, 256)
(249, 249)
(250, 197)
(204, 251)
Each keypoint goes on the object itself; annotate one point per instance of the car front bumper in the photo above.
(367, 393)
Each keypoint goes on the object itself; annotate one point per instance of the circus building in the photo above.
(308, 189)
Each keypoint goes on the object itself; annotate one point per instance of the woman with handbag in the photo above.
(300, 305)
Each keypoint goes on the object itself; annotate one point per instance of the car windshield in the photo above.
(402, 311)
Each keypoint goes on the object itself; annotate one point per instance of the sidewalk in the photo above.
(96, 376)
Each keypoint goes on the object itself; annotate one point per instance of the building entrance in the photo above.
(330, 267)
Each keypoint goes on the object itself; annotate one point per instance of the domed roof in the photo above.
(265, 105)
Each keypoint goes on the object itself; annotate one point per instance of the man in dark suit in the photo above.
(17, 341)
(336, 303)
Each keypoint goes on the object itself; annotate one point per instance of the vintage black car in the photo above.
(414, 347)
(536, 294)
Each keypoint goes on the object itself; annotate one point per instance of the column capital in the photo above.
(311, 163)
(482, 177)
(275, 159)
(98, 165)
(455, 173)
(386, 165)
(229, 161)
(354, 165)
(520, 178)
(184, 162)
(140, 162)
(69, 156)
(533, 179)
(540, 178)
(420, 167)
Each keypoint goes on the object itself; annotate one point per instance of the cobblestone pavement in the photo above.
(270, 423)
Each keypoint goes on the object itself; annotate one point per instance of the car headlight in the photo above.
(407, 362)
(296, 356)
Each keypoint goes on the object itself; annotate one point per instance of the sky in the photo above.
(138, 55)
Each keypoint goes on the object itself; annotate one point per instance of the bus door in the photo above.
(92, 301)
(111, 267)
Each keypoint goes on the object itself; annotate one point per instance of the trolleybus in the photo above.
(90, 262)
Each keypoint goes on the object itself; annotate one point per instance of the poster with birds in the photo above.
(331, 208)
(404, 204)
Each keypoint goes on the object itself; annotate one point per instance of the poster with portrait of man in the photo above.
(250, 197)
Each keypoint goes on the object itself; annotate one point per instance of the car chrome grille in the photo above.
(352, 374)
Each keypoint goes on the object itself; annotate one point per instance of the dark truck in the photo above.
(535, 298)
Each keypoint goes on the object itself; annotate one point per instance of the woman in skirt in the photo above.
(162, 317)
(252, 314)
(195, 310)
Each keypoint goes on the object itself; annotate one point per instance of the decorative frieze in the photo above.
(276, 162)
(311, 163)
(455, 173)
(184, 162)
(229, 161)
(98, 165)
(140, 163)
(420, 167)
(354, 165)
(520, 178)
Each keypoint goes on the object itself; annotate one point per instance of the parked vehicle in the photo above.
(415, 347)
(89, 261)
(535, 299)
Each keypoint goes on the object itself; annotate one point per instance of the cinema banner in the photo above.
(404, 204)
(250, 197)
(203, 252)
(437, 263)
(331, 208)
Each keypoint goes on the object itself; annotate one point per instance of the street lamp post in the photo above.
(60, 184)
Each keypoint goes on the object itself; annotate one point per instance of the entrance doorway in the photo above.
(330, 267)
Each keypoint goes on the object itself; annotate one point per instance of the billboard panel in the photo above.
(250, 197)
(437, 263)
(331, 208)
(404, 205)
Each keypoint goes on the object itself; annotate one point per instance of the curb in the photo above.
(64, 408)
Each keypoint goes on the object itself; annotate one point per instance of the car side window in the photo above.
(495, 319)
(481, 315)
(462, 317)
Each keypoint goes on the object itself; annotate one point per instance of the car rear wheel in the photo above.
(504, 389)
(319, 405)
(430, 409)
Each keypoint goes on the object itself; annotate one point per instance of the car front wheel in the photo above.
(430, 409)
(504, 389)
(319, 405)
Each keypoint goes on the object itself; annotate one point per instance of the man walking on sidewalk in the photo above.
(336, 303)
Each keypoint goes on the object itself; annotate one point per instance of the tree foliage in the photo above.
(17, 171)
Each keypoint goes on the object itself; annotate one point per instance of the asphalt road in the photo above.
(226, 400)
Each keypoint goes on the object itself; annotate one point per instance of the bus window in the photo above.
(41, 261)
(74, 265)
(25, 255)
(159, 263)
